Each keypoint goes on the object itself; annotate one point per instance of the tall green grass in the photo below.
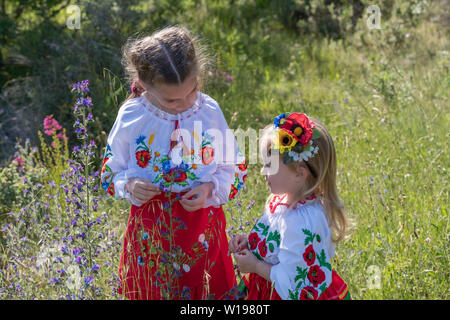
(388, 113)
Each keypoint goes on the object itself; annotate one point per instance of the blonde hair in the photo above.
(324, 165)
(169, 56)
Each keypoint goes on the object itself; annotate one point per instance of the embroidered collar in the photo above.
(169, 116)
(278, 201)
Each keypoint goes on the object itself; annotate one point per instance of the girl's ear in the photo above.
(302, 172)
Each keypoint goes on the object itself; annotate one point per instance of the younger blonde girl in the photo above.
(289, 250)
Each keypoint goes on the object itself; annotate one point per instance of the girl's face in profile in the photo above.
(281, 178)
(173, 98)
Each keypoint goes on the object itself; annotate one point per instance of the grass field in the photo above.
(386, 105)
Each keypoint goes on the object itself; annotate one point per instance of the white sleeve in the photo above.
(231, 173)
(115, 172)
(304, 270)
(222, 185)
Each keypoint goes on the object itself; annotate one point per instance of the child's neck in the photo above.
(157, 104)
(292, 198)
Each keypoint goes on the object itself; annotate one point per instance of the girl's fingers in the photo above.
(189, 202)
(188, 207)
(197, 203)
(189, 194)
(237, 243)
(151, 188)
(143, 197)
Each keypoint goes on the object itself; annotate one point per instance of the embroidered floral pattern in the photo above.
(309, 255)
(253, 240)
(261, 240)
(311, 272)
(313, 276)
(106, 173)
(148, 255)
(275, 202)
(174, 175)
(168, 174)
(143, 153)
(262, 248)
(239, 177)
(308, 293)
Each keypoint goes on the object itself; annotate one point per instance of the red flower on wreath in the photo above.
(316, 276)
(143, 157)
(253, 240)
(308, 293)
(309, 255)
(262, 248)
(298, 126)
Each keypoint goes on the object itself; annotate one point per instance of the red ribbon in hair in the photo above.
(136, 88)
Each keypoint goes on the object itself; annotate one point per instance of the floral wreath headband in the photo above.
(294, 137)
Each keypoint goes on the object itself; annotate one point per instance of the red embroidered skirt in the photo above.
(261, 289)
(170, 253)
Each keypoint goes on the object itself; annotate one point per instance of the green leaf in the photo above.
(287, 159)
(323, 260)
(301, 274)
(316, 134)
(191, 175)
(274, 236)
(293, 295)
(264, 228)
(141, 147)
(309, 236)
(271, 247)
(323, 287)
(307, 232)
(158, 177)
(167, 184)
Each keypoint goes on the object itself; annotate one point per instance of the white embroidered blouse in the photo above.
(297, 242)
(177, 152)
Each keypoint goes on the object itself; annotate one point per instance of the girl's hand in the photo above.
(246, 261)
(196, 198)
(237, 243)
(141, 189)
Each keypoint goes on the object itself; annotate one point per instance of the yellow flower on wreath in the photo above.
(283, 141)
